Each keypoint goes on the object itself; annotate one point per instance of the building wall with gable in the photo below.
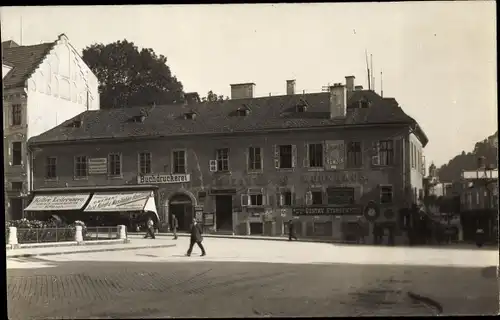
(55, 92)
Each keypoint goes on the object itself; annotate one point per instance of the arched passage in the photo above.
(181, 205)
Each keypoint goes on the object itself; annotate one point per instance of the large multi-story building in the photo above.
(43, 86)
(244, 165)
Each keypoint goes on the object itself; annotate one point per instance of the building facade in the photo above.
(43, 85)
(247, 165)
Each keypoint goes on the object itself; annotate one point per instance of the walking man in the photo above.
(196, 238)
(150, 229)
(175, 225)
(291, 231)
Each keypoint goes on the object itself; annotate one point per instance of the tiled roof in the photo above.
(266, 113)
(25, 60)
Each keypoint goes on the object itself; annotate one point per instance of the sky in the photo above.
(438, 58)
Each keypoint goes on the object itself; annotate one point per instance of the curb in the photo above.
(222, 236)
(26, 255)
(427, 301)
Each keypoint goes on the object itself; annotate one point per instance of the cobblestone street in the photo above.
(162, 283)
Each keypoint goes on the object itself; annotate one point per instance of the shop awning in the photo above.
(122, 202)
(58, 202)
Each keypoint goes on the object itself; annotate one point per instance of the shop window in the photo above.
(51, 168)
(115, 165)
(315, 152)
(386, 194)
(145, 162)
(81, 167)
(222, 158)
(179, 162)
(254, 158)
(354, 155)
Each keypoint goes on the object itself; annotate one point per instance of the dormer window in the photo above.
(364, 104)
(301, 108)
(241, 112)
(139, 119)
(190, 115)
(77, 123)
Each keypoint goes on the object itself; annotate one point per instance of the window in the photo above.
(81, 167)
(285, 198)
(354, 155)
(317, 197)
(145, 162)
(386, 152)
(50, 168)
(315, 155)
(16, 115)
(17, 186)
(179, 162)
(115, 167)
(256, 199)
(285, 157)
(386, 194)
(17, 154)
(222, 158)
(340, 196)
(254, 158)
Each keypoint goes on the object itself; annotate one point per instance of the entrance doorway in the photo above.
(181, 206)
(224, 212)
(16, 208)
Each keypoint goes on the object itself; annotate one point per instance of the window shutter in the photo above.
(281, 199)
(276, 156)
(308, 198)
(293, 198)
(244, 200)
(247, 157)
(375, 153)
(294, 156)
(306, 155)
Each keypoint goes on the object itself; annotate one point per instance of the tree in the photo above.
(212, 97)
(129, 77)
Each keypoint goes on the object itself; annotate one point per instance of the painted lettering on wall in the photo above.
(335, 154)
(163, 178)
(335, 177)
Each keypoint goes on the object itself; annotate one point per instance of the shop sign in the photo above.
(322, 211)
(98, 165)
(163, 178)
(214, 192)
(335, 154)
(208, 219)
(58, 202)
(130, 201)
(343, 177)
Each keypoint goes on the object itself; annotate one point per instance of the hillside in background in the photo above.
(487, 148)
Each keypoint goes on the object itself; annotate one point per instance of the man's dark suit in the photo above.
(196, 238)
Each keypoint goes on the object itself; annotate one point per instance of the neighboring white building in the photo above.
(43, 85)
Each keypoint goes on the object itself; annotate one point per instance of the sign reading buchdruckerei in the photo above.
(58, 202)
(321, 211)
(123, 201)
(98, 165)
(163, 178)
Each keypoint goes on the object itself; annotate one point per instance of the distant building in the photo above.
(246, 165)
(43, 86)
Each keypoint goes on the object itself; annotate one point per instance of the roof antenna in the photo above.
(21, 31)
(381, 85)
(373, 73)
(367, 69)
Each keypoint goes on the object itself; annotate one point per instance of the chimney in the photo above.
(481, 162)
(338, 100)
(242, 91)
(349, 84)
(192, 97)
(358, 88)
(290, 87)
